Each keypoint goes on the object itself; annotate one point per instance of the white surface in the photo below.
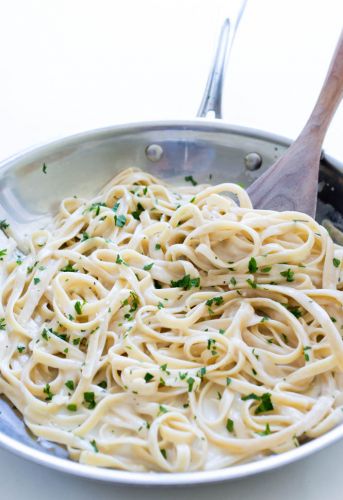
(70, 65)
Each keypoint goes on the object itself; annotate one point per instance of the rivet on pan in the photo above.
(154, 152)
(253, 161)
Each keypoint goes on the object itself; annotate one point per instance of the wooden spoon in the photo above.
(292, 182)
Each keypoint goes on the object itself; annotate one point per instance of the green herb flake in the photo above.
(44, 168)
(93, 443)
(160, 305)
(266, 431)
(266, 269)
(4, 224)
(72, 407)
(189, 178)
(229, 425)
(190, 381)
(85, 236)
(251, 283)
(89, 399)
(306, 356)
(78, 307)
(68, 269)
(157, 246)
(36, 281)
(216, 300)
(103, 384)
(163, 453)
(3, 253)
(251, 396)
(45, 334)
(47, 391)
(265, 405)
(147, 267)
(70, 384)
(228, 381)
(289, 275)
(115, 206)
(148, 377)
(21, 348)
(2, 324)
(336, 262)
(233, 281)
(120, 220)
(186, 282)
(252, 266)
(162, 409)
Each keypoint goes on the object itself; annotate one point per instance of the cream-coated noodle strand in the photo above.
(157, 328)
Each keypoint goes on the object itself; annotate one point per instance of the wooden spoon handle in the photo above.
(292, 182)
(330, 96)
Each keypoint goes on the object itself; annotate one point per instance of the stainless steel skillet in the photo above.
(211, 151)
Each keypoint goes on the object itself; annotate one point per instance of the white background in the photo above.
(71, 65)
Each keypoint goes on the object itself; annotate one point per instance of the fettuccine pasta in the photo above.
(170, 329)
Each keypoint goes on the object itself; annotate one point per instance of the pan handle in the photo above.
(212, 98)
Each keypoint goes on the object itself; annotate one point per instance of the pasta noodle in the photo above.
(173, 329)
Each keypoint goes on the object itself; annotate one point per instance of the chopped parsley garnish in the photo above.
(95, 207)
(164, 368)
(228, 381)
(265, 405)
(2, 324)
(202, 372)
(103, 384)
(148, 376)
(89, 399)
(93, 443)
(119, 260)
(266, 432)
(250, 396)
(137, 213)
(190, 381)
(47, 391)
(251, 283)
(115, 206)
(157, 246)
(85, 236)
(44, 167)
(76, 341)
(72, 407)
(189, 178)
(233, 281)
(221, 331)
(147, 267)
(120, 220)
(160, 305)
(69, 269)
(252, 265)
(183, 375)
(306, 356)
(3, 252)
(163, 453)
(4, 224)
(70, 384)
(295, 311)
(78, 307)
(216, 300)
(266, 269)
(336, 262)
(36, 281)
(229, 425)
(21, 348)
(45, 334)
(162, 409)
(289, 275)
(186, 282)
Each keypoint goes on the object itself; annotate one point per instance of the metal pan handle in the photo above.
(212, 98)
